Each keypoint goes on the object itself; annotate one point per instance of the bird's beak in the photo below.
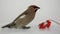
(38, 7)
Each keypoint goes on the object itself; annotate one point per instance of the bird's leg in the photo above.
(24, 27)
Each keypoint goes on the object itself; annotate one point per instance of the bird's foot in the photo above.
(24, 27)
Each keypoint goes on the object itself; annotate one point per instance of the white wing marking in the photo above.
(22, 16)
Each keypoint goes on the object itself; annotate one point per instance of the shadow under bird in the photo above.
(25, 18)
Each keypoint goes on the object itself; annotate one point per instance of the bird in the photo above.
(23, 19)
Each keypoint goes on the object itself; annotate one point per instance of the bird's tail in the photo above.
(9, 25)
(5, 26)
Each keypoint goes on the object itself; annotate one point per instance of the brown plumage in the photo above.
(25, 18)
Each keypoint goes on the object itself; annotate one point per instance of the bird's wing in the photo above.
(24, 13)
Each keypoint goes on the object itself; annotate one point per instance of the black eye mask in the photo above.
(35, 10)
(35, 7)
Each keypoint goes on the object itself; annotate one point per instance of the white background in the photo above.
(10, 9)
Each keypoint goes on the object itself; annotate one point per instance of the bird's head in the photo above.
(34, 7)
